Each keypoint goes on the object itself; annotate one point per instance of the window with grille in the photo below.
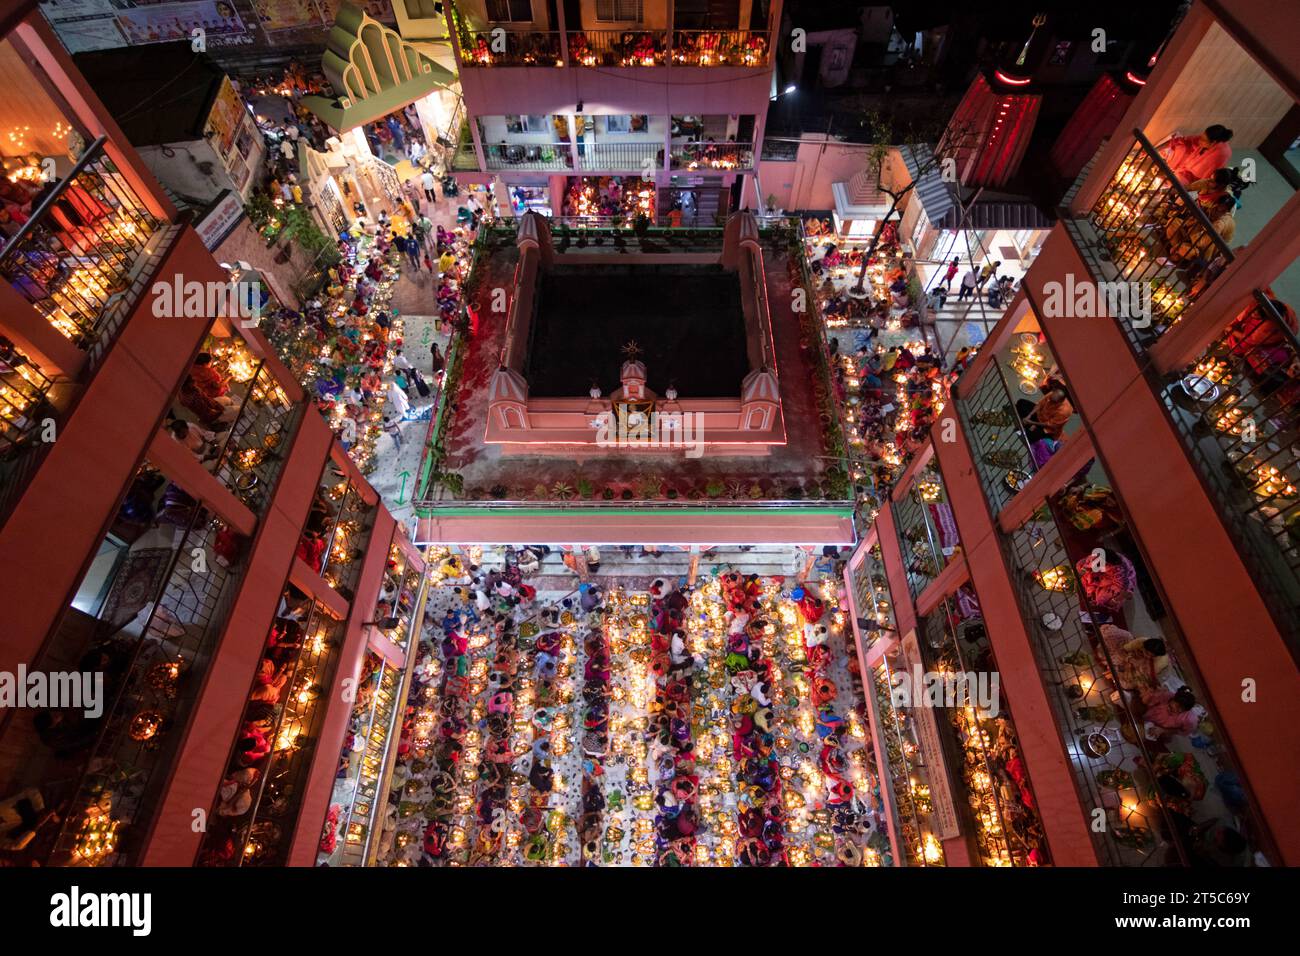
(521, 10)
(618, 10)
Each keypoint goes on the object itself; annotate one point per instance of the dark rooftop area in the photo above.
(686, 319)
(160, 93)
(801, 462)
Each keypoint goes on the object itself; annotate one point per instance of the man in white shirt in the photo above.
(968, 283)
(427, 181)
(400, 361)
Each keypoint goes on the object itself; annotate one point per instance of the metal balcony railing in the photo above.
(1155, 240)
(253, 816)
(904, 760)
(345, 544)
(500, 47)
(81, 256)
(998, 442)
(535, 156)
(593, 48)
(1238, 413)
(376, 723)
(622, 157)
(872, 599)
(1001, 811)
(720, 47)
(1163, 788)
(257, 444)
(27, 399)
(713, 156)
(149, 701)
(23, 391)
(404, 582)
(464, 159)
(926, 547)
(1102, 738)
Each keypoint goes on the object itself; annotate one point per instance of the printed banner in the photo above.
(159, 23)
(227, 113)
(104, 24)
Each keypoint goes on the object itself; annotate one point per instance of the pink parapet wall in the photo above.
(634, 416)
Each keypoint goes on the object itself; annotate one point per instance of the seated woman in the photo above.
(201, 442)
(1194, 157)
(1265, 346)
(1047, 417)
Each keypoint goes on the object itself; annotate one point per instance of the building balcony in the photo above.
(872, 603)
(500, 45)
(508, 48)
(1150, 238)
(927, 534)
(710, 157)
(908, 769)
(83, 258)
(1002, 821)
(613, 48)
(1237, 412)
(538, 157)
(1106, 686)
(254, 448)
(84, 261)
(262, 791)
(712, 48)
(148, 615)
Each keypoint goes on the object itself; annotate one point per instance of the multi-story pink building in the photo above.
(171, 507)
(673, 94)
(1124, 558)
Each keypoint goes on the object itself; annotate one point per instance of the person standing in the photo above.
(394, 431)
(397, 133)
(427, 182)
(397, 397)
(436, 362)
(989, 271)
(968, 284)
(950, 274)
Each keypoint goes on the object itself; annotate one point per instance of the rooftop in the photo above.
(160, 93)
(794, 470)
(685, 319)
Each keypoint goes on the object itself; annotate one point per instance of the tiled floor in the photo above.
(396, 468)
